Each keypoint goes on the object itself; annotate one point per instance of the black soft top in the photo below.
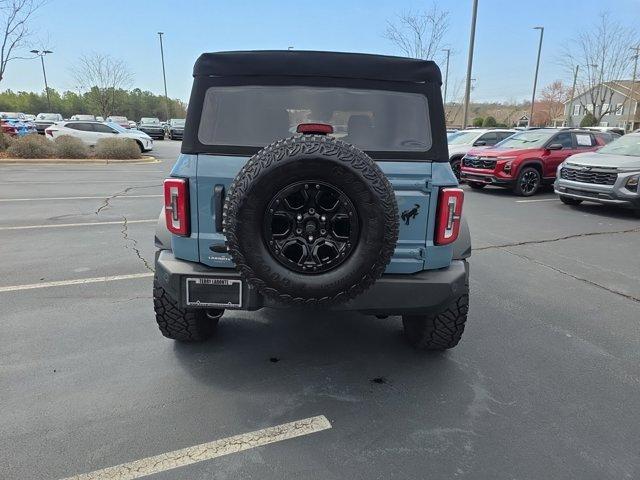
(301, 63)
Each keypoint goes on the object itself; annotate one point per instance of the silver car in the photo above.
(609, 176)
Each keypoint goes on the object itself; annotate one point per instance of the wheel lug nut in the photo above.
(311, 211)
(310, 238)
(298, 231)
(323, 231)
(306, 186)
(317, 187)
(323, 218)
(299, 217)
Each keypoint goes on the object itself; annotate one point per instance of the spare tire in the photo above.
(311, 220)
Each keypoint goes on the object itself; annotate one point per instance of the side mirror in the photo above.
(554, 146)
(479, 143)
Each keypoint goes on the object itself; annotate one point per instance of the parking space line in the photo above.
(538, 200)
(77, 281)
(74, 198)
(207, 451)
(68, 225)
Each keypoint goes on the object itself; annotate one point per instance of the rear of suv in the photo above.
(313, 180)
(527, 160)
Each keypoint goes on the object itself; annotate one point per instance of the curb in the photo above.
(77, 161)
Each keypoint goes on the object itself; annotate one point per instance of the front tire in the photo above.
(437, 331)
(456, 165)
(569, 200)
(179, 324)
(528, 182)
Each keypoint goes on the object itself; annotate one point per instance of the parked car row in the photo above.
(582, 164)
(18, 124)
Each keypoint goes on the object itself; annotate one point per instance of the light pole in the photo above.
(631, 119)
(41, 54)
(535, 77)
(472, 38)
(569, 113)
(164, 76)
(446, 75)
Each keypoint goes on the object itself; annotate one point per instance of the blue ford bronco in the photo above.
(313, 180)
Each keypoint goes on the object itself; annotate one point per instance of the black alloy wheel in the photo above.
(311, 227)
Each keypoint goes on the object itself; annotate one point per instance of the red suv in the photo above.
(526, 160)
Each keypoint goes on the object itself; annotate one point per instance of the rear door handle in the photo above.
(218, 203)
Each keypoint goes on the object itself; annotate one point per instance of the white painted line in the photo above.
(77, 281)
(538, 200)
(207, 451)
(68, 225)
(66, 182)
(75, 198)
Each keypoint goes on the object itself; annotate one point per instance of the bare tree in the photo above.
(602, 53)
(420, 34)
(14, 24)
(102, 76)
(551, 103)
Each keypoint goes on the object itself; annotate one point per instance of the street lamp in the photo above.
(535, 78)
(472, 38)
(41, 54)
(164, 77)
(446, 75)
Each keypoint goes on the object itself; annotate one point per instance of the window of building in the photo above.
(620, 109)
(576, 109)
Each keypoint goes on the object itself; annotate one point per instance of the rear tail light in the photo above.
(176, 205)
(449, 215)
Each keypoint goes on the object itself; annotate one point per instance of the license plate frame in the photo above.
(192, 299)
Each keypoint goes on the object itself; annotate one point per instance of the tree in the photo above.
(420, 34)
(602, 53)
(14, 25)
(489, 122)
(478, 121)
(589, 120)
(551, 103)
(103, 78)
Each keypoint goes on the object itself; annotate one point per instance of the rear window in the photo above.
(373, 120)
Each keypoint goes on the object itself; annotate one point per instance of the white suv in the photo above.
(464, 140)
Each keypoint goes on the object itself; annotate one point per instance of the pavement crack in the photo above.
(134, 244)
(575, 277)
(556, 239)
(121, 193)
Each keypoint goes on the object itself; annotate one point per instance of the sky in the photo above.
(504, 59)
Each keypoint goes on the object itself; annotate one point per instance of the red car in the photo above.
(526, 160)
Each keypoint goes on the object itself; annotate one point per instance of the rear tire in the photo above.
(437, 331)
(528, 182)
(476, 185)
(569, 200)
(180, 324)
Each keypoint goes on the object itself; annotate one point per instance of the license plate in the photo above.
(214, 292)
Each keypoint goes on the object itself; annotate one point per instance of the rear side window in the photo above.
(584, 140)
(373, 120)
(85, 127)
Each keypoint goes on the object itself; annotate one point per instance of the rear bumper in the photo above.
(422, 292)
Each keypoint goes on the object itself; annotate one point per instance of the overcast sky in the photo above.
(504, 59)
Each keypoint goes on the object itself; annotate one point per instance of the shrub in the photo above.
(31, 146)
(67, 146)
(5, 142)
(489, 122)
(477, 122)
(588, 120)
(117, 148)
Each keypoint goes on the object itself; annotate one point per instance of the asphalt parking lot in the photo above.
(545, 383)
